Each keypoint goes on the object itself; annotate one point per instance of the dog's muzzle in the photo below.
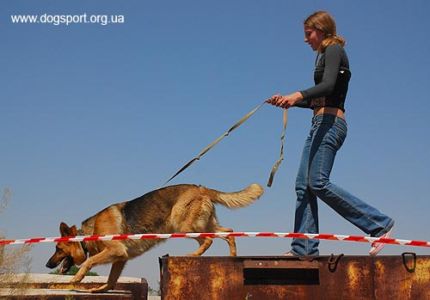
(66, 264)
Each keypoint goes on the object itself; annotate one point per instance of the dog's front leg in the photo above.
(100, 258)
(81, 273)
(114, 274)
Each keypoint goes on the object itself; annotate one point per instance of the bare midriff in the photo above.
(329, 111)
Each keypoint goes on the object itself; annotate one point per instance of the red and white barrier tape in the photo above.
(118, 237)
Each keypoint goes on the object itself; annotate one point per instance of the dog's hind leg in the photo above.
(230, 240)
(205, 243)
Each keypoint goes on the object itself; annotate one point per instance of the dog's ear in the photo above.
(64, 229)
(73, 231)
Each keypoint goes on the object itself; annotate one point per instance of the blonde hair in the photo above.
(324, 22)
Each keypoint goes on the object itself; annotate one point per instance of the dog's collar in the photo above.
(83, 245)
(84, 248)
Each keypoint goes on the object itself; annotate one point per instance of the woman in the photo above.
(326, 136)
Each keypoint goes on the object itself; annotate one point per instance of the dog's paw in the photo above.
(101, 289)
(76, 279)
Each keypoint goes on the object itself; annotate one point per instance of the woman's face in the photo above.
(313, 37)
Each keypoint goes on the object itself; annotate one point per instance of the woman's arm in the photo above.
(333, 57)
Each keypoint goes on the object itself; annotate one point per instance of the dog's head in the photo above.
(67, 253)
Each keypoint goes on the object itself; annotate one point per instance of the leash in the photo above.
(281, 152)
(232, 128)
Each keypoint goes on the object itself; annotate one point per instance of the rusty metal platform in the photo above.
(401, 277)
(48, 286)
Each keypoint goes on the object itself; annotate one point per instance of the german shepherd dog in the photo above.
(178, 208)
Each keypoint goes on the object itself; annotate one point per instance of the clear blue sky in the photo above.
(92, 115)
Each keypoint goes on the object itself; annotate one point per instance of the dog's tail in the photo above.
(239, 199)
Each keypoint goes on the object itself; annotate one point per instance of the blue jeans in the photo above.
(326, 136)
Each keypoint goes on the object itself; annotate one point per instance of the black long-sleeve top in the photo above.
(331, 78)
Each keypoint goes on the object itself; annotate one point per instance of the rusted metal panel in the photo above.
(411, 279)
(279, 264)
(46, 294)
(47, 286)
(323, 277)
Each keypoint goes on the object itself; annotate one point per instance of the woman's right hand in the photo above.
(274, 99)
(285, 101)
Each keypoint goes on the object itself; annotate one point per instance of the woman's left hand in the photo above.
(285, 101)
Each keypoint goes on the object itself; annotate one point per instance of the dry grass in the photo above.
(5, 199)
(14, 260)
